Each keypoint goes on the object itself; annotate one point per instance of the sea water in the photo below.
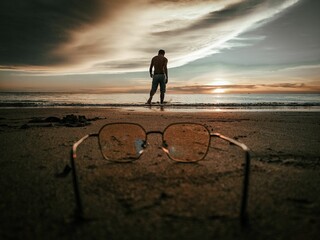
(173, 101)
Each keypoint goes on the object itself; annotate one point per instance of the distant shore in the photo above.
(155, 198)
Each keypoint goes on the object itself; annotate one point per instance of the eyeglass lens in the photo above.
(122, 142)
(186, 142)
(126, 142)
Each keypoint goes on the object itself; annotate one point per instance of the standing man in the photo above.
(159, 76)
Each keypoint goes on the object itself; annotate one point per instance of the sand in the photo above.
(156, 198)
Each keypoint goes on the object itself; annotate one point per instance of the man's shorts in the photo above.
(159, 79)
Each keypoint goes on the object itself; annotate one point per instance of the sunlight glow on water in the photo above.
(217, 101)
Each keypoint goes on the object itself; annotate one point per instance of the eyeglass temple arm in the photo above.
(244, 200)
(73, 156)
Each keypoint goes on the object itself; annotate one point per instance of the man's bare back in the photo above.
(159, 63)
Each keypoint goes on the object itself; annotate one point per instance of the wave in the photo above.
(35, 104)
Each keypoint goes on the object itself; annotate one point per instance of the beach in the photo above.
(154, 197)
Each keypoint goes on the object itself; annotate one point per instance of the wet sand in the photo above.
(156, 198)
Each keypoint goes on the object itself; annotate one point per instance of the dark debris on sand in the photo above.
(67, 121)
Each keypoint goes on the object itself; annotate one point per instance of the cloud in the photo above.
(121, 36)
(208, 88)
(276, 87)
(32, 30)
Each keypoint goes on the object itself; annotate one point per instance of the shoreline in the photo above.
(154, 198)
(172, 101)
(181, 108)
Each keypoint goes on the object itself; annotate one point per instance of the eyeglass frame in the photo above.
(79, 213)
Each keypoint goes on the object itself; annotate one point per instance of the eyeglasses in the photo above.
(182, 142)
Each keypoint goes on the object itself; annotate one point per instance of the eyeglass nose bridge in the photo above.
(164, 144)
(154, 132)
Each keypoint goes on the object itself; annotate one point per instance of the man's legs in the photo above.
(162, 88)
(157, 80)
(153, 90)
(161, 97)
(151, 95)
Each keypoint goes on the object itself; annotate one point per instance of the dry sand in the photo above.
(155, 198)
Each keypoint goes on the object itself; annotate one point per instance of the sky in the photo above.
(213, 46)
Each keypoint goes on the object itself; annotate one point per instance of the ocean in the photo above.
(176, 102)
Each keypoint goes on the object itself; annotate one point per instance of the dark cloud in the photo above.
(238, 87)
(118, 65)
(209, 88)
(284, 85)
(230, 12)
(32, 29)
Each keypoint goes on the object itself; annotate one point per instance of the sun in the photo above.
(218, 84)
(218, 90)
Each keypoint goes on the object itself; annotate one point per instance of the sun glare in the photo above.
(218, 90)
(220, 83)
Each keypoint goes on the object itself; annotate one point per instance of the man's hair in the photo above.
(161, 51)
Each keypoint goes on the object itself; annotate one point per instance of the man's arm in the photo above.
(150, 68)
(166, 70)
